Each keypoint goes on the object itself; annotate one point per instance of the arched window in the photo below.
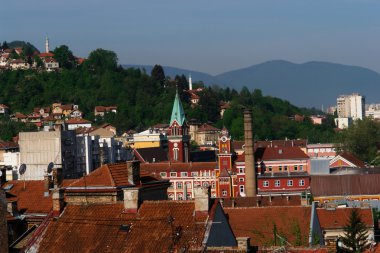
(175, 154)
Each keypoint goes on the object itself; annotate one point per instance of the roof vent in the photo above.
(125, 228)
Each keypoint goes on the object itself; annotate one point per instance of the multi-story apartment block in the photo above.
(372, 111)
(349, 107)
(38, 149)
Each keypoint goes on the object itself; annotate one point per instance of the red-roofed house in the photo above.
(102, 110)
(204, 134)
(4, 110)
(346, 160)
(333, 221)
(75, 123)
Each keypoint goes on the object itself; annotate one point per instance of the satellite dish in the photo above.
(22, 169)
(50, 167)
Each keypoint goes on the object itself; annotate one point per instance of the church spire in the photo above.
(47, 44)
(178, 114)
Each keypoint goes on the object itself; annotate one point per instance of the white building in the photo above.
(372, 111)
(88, 157)
(349, 108)
(38, 149)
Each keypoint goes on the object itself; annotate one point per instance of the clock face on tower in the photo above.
(224, 139)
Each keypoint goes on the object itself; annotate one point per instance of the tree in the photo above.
(5, 45)
(361, 139)
(158, 74)
(64, 56)
(355, 233)
(101, 60)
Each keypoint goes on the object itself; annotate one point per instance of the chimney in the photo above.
(12, 208)
(57, 201)
(131, 199)
(57, 177)
(202, 199)
(47, 184)
(243, 243)
(133, 168)
(250, 170)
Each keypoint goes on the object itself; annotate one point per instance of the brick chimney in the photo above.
(250, 170)
(131, 199)
(47, 184)
(58, 202)
(202, 199)
(57, 177)
(133, 168)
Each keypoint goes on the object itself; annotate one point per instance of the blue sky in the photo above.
(212, 36)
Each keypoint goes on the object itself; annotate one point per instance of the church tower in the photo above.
(47, 45)
(190, 83)
(178, 136)
(225, 150)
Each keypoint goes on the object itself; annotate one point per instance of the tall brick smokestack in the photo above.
(250, 171)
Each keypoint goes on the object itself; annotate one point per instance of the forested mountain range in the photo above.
(310, 84)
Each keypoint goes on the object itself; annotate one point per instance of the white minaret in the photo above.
(47, 45)
(190, 83)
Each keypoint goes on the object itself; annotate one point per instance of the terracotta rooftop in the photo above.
(151, 155)
(105, 108)
(339, 217)
(353, 159)
(8, 145)
(260, 223)
(207, 128)
(77, 121)
(292, 200)
(342, 185)
(31, 199)
(157, 167)
(46, 55)
(266, 154)
(157, 227)
(110, 175)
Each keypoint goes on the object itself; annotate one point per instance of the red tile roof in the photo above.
(158, 226)
(110, 175)
(260, 223)
(156, 167)
(77, 121)
(105, 108)
(207, 128)
(31, 199)
(4, 106)
(339, 217)
(353, 159)
(43, 55)
(292, 200)
(280, 153)
(8, 145)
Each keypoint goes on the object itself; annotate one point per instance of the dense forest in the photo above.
(145, 99)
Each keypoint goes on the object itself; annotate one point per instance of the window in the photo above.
(180, 197)
(179, 185)
(206, 184)
(241, 170)
(241, 188)
(224, 193)
(277, 183)
(285, 168)
(163, 174)
(266, 183)
(301, 182)
(270, 168)
(194, 174)
(290, 182)
(173, 174)
(279, 168)
(171, 196)
(175, 153)
(241, 179)
(213, 185)
(295, 167)
(183, 174)
(301, 167)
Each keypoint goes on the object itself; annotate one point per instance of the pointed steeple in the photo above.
(178, 114)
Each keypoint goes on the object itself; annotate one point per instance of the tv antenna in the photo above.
(50, 167)
(22, 170)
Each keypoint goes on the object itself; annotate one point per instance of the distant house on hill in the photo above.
(102, 110)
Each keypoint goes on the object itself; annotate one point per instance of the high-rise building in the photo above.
(351, 106)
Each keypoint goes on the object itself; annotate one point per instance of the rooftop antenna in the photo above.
(22, 170)
(50, 167)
